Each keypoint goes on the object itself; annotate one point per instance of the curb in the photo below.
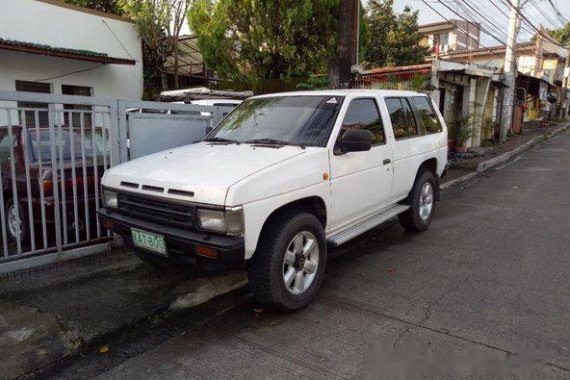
(57, 339)
(484, 166)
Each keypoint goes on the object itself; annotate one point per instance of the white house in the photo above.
(53, 47)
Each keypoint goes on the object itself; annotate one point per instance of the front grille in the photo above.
(158, 211)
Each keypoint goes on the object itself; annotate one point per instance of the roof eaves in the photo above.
(61, 52)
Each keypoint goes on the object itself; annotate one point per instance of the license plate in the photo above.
(148, 241)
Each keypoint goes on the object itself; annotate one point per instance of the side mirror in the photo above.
(356, 140)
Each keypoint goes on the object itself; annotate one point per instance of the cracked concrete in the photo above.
(40, 327)
(31, 338)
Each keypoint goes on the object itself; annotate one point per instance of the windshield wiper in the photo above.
(268, 142)
(223, 140)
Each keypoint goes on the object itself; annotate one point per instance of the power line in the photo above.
(493, 3)
(543, 13)
(462, 4)
(71, 73)
(118, 40)
(523, 17)
(561, 17)
(448, 20)
(484, 30)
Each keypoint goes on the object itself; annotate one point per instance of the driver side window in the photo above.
(363, 114)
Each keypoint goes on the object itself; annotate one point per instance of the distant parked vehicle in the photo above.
(204, 102)
(233, 103)
(217, 102)
(80, 167)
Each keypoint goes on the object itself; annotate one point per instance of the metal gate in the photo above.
(150, 127)
(54, 150)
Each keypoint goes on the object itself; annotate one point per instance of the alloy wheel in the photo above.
(300, 262)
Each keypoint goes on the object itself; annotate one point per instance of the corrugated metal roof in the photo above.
(61, 52)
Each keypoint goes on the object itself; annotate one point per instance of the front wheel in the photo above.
(17, 225)
(288, 268)
(422, 203)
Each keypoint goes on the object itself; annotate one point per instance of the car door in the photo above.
(360, 181)
(408, 150)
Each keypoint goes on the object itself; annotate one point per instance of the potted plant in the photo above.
(463, 132)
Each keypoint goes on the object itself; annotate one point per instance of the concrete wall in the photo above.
(42, 22)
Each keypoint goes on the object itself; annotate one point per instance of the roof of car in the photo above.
(350, 92)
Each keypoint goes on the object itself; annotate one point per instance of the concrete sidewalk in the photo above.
(50, 315)
(463, 170)
(53, 313)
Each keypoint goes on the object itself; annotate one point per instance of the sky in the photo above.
(537, 12)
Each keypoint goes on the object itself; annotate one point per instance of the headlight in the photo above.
(211, 220)
(234, 220)
(110, 199)
(229, 221)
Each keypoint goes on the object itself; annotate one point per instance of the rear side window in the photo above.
(403, 121)
(427, 114)
(363, 114)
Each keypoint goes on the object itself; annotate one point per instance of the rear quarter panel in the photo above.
(410, 153)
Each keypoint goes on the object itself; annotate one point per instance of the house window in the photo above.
(28, 117)
(363, 114)
(403, 121)
(77, 116)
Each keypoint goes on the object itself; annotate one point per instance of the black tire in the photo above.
(411, 220)
(24, 234)
(153, 260)
(266, 270)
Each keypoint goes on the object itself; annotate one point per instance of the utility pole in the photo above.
(510, 72)
(565, 87)
(347, 45)
(538, 60)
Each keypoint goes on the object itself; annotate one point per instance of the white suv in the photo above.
(279, 181)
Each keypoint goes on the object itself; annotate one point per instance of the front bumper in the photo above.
(181, 244)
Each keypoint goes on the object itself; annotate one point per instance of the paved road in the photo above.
(484, 293)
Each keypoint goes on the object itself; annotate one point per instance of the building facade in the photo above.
(445, 36)
(51, 47)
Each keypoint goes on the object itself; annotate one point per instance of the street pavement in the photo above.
(483, 294)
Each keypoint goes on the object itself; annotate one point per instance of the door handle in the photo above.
(386, 161)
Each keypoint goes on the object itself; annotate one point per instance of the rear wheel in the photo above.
(289, 265)
(422, 203)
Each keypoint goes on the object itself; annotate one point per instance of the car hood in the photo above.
(200, 172)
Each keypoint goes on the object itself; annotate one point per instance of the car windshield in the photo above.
(286, 120)
(42, 145)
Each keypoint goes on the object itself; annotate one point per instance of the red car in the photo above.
(79, 162)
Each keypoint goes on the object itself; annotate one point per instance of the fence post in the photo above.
(115, 140)
(52, 120)
(121, 128)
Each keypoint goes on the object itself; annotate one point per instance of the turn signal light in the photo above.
(47, 186)
(108, 224)
(206, 251)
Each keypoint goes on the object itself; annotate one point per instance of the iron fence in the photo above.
(54, 150)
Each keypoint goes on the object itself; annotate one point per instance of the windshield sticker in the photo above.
(331, 101)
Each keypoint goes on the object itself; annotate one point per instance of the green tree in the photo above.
(394, 38)
(158, 23)
(258, 40)
(562, 35)
(109, 6)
